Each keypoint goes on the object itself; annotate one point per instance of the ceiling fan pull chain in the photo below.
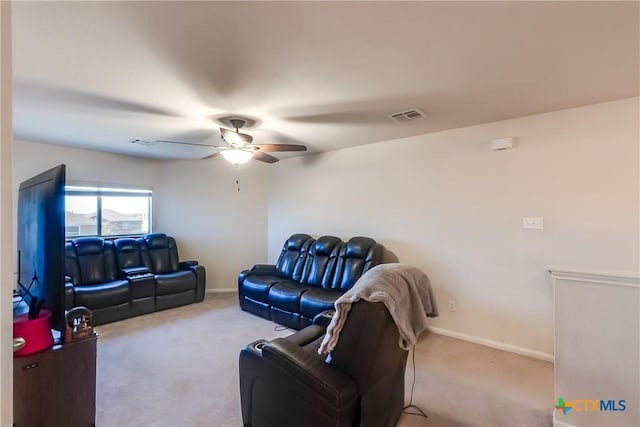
(238, 181)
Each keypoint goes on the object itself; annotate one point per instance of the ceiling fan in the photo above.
(239, 147)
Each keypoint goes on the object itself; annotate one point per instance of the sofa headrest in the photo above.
(295, 242)
(157, 240)
(325, 244)
(126, 245)
(357, 247)
(89, 245)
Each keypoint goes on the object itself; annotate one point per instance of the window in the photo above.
(107, 212)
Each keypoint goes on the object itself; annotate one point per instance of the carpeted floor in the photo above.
(179, 367)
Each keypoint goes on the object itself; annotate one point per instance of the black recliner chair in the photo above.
(254, 284)
(143, 282)
(177, 283)
(318, 269)
(285, 382)
(92, 274)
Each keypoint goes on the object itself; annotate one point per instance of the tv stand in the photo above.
(56, 386)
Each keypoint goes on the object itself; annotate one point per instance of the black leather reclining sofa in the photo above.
(308, 278)
(128, 277)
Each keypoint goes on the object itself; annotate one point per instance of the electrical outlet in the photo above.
(452, 305)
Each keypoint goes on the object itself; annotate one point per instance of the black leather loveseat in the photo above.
(128, 277)
(308, 277)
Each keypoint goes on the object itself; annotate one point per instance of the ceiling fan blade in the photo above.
(264, 157)
(232, 136)
(281, 147)
(166, 141)
(211, 156)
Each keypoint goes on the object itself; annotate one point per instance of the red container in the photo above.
(36, 332)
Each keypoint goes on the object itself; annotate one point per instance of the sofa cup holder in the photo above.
(256, 346)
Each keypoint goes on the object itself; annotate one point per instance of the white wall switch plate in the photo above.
(533, 222)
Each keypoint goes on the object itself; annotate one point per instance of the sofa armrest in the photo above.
(324, 318)
(201, 276)
(308, 368)
(186, 265)
(263, 267)
(134, 271)
(69, 294)
(201, 280)
(307, 335)
(257, 270)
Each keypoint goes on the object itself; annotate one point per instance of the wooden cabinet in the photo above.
(56, 387)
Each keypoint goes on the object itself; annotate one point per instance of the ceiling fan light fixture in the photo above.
(236, 156)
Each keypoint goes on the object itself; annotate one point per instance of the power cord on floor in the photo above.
(278, 328)
(419, 412)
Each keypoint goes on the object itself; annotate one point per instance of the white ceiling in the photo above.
(324, 74)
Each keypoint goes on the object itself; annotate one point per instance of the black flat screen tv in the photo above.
(41, 239)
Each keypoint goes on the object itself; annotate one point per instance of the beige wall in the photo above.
(448, 204)
(6, 213)
(30, 158)
(198, 202)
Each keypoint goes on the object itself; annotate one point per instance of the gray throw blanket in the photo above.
(405, 291)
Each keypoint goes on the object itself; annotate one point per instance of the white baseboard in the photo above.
(494, 344)
(221, 290)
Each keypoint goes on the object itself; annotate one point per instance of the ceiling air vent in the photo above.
(406, 116)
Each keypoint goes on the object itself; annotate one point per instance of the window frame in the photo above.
(108, 191)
